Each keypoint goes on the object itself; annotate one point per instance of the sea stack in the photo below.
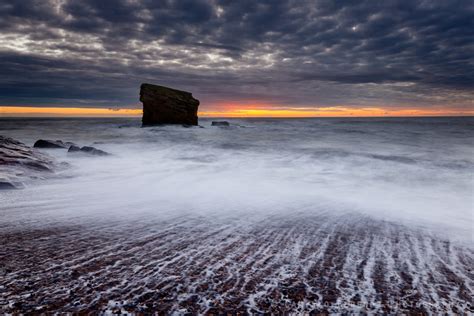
(162, 105)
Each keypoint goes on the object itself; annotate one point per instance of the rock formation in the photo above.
(20, 163)
(46, 143)
(220, 123)
(162, 105)
(87, 150)
(71, 147)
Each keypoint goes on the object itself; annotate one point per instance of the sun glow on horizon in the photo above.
(236, 112)
(27, 111)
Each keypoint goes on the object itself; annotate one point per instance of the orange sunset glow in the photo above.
(21, 111)
(236, 111)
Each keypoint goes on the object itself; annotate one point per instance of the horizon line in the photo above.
(245, 112)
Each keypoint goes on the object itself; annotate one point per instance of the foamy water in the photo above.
(283, 215)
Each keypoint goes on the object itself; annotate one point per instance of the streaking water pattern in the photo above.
(280, 216)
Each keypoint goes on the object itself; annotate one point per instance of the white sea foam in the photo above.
(369, 210)
(419, 172)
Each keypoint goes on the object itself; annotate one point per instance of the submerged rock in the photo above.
(74, 148)
(220, 123)
(94, 151)
(7, 185)
(87, 150)
(19, 163)
(162, 105)
(46, 143)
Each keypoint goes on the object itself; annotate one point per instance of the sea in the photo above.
(365, 215)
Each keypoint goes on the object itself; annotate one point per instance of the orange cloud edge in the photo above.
(237, 112)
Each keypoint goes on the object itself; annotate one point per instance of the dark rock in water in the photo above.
(74, 148)
(57, 144)
(20, 163)
(94, 151)
(220, 123)
(46, 143)
(88, 150)
(162, 105)
(7, 185)
(15, 153)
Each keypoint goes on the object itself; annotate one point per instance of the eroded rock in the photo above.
(20, 163)
(162, 105)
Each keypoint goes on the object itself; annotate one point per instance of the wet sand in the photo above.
(304, 262)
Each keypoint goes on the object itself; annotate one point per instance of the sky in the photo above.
(240, 58)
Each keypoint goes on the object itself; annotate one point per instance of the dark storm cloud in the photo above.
(314, 53)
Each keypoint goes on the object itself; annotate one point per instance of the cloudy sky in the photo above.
(262, 54)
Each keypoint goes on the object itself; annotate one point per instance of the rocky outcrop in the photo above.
(71, 147)
(162, 105)
(89, 150)
(46, 143)
(220, 123)
(20, 163)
